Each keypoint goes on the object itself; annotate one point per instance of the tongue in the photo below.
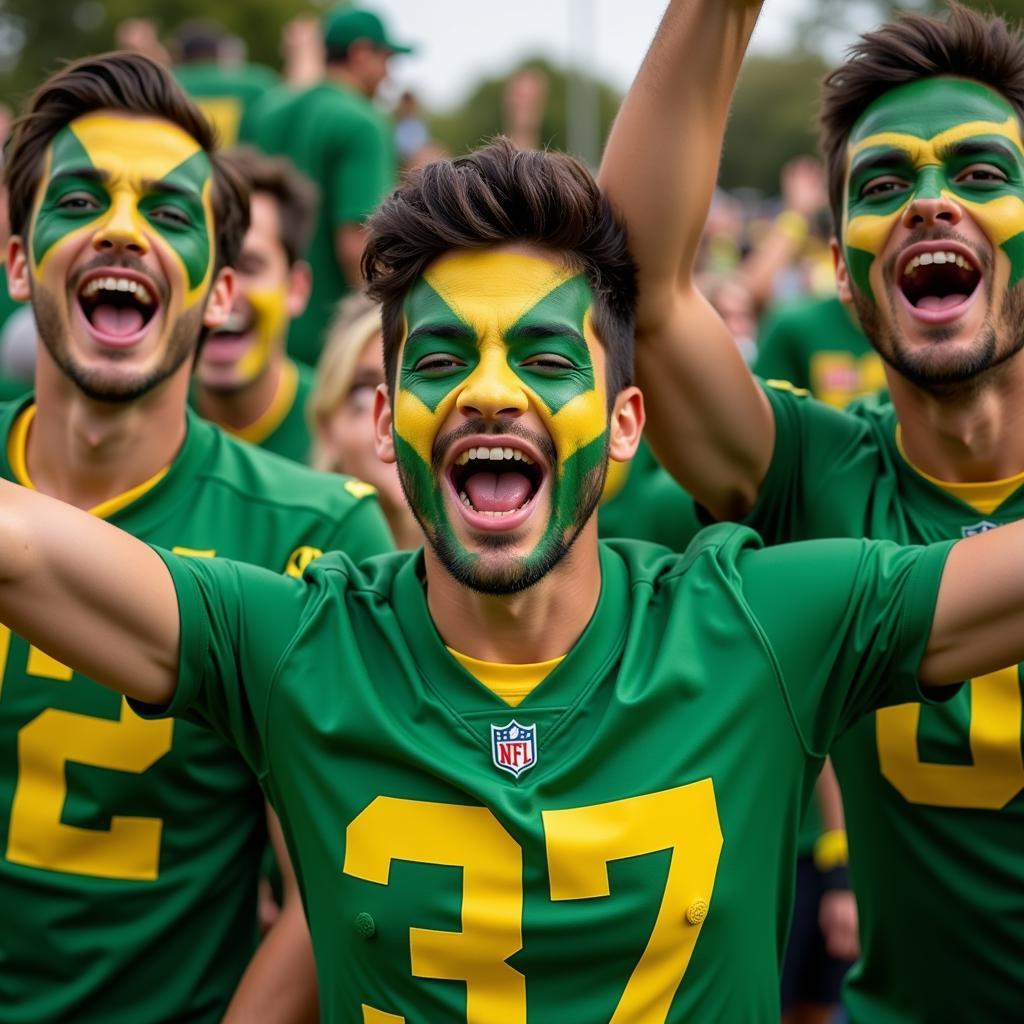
(940, 302)
(117, 320)
(497, 492)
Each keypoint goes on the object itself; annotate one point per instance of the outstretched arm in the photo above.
(88, 594)
(707, 419)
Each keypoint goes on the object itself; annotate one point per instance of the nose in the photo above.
(931, 211)
(121, 229)
(492, 389)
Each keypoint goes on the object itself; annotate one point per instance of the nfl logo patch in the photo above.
(983, 527)
(514, 747)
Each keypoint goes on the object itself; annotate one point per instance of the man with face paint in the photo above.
(244, 382)
(521, 772)
(129, 853)
(922, 137)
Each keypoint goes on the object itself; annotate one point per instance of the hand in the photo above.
(837, 918)
(302, 48)
(803, 186)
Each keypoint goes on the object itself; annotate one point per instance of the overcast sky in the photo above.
(461, 41)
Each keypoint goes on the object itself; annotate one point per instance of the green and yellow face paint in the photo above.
(506, 342)
(128, 185)
(932, 139)
(250, 337)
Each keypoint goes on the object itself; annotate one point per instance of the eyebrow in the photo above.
(101, 177)
(447, 330)
(886, 158)
(977, 147)
(546, 329)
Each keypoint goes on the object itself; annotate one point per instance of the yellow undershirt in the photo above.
(284, 397)
(17, 444)
(512, 683)
(984, 497)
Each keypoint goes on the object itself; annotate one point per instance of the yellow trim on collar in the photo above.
(280, 405)
(17, 448)
(512, 683)
(984, 497)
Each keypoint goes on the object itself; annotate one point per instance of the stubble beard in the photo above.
(111, 382)
(934, 369)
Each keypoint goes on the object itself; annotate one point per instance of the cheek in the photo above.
(417, 425)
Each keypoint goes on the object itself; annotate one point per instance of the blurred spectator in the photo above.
(341, 411)
(732, 298)
(140, 35)
(244, 382)
(336, 136)
(412, 137)
(211, 67)
(525, 100)
(302, 50)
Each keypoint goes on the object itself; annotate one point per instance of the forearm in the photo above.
(279, 985)
(661, 161)
(88, 594)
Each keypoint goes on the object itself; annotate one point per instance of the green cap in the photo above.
(344, 25)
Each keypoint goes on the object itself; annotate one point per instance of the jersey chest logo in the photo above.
(514, 747)
(983, 527)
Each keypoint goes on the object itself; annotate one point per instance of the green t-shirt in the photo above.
(225, 94)
(673, 751)
(339, 139)
(282, 430)
(934, 797)
(130, 849)
(815, 344)
(649, 505)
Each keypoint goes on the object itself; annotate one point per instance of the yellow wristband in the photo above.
(830, 850)
(793, 225)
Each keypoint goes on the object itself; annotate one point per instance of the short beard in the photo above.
(97, 383)
(517, 573)
(933, 370)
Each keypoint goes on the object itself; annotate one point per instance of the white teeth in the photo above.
(925, 259)
(119, 284)
(493, 454)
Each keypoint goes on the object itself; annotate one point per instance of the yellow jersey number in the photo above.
(996, 774)
(581, 842)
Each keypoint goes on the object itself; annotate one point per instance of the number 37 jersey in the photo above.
(620, 845)
(129, 849)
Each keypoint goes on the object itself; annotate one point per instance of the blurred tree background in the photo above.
(772, 119)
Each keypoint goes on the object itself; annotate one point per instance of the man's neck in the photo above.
(535, 625)
(974, 437)
(236, 410)
(86, 452)
(340, 74)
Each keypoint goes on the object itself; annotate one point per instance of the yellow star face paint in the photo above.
(142, 181)
(934, 138)
(499, 336)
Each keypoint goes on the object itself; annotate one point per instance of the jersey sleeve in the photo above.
(847, 622)
(362, 174)
(363, 532)
(820, 457)
(236, 622)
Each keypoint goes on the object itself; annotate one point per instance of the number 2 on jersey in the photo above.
(581, 842)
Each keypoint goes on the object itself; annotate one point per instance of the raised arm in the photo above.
(707, 419)
(88, 594)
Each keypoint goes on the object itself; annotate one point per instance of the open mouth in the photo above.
(236, 327)
(117, 307)
(496, 482)
(938, 283)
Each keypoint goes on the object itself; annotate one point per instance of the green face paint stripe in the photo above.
(190, 241)
(424, 307)
(566, 304)
(53, 223)
(930, 106)
(859, 262)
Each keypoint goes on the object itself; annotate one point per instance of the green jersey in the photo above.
(131, 848)
(649, 505)
(283, 429)
(224, 94)
(617, 847)
(815, 344)
(338, 139)
(934, 797)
